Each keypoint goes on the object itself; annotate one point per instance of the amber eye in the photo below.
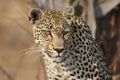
(47, 32)
(65, 32)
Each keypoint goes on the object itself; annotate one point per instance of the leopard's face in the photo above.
(52, 32)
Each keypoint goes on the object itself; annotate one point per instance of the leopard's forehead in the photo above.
(56, 17)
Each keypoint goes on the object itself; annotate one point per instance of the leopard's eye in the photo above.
(48, 32)
(45, 30)
(66, 34)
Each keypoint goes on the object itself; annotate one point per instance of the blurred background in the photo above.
(18, 58)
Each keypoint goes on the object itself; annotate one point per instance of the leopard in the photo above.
(68, 49)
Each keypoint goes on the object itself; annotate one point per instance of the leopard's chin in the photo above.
(59, 59)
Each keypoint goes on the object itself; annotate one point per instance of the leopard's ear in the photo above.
(69, 10)
(34, 14)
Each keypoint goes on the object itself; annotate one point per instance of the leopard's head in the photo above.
(52, 30)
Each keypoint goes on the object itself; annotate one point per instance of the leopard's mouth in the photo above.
(60, 59)
(52, 54)
(57, 57)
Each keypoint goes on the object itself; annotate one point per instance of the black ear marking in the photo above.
(34, 14)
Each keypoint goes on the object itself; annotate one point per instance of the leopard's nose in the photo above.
(59, 50)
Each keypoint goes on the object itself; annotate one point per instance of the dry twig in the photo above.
(6, 73)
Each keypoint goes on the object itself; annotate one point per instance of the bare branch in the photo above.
(6, 73)
(52, 4)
